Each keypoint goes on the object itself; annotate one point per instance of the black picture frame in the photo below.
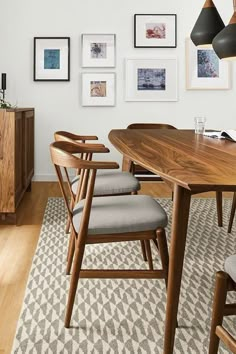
(137, 41)
(50, 51)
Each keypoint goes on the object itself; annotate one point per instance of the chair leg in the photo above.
(68, 225)
(218, 309)
(71, 251)
(74, 283)
(149, 254)
(68, 219)
(69, 246)
(233, 208)
(156, 244)
(163, 249)
(143, 250)
(219, 208)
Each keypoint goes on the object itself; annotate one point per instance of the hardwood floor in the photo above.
(17, 247)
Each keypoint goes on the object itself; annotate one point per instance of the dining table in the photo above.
(191, 163)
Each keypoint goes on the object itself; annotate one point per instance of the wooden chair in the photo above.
(111, 183)
(70, 137)
(138, 171)
(108, 183)
(107, 219)
(225, 282)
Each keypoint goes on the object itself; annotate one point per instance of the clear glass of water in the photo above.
(200, 123)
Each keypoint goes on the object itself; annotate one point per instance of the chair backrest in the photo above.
(62, 155)
(150, 126)
(67, 136)
(76, 139)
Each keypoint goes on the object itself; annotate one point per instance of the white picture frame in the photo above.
(98, 50)
(204, 70)
(98, 89)
(51, 59)
(151, 79)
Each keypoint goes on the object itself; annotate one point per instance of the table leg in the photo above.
(182, 198)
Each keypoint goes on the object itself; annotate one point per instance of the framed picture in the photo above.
(51, 59)
(151, 79)
(204, 70)
(98, 89)
(155, 31)
(98, 50)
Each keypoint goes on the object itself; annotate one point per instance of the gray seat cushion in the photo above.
(122, 214)
(111, 183)
(230, 266)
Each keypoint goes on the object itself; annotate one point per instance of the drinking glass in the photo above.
(200, 125)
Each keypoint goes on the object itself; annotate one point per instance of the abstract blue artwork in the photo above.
(51, 58)
(208, 63)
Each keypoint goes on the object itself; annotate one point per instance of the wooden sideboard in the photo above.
(16, 159)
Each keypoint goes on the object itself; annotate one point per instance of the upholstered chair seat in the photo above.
(230, 266)
(112, 183)
(121, 214)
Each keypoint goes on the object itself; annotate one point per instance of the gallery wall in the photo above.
(58, 104)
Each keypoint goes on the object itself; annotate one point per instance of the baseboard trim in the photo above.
(45, 178)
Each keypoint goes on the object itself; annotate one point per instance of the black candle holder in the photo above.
(3, 102)
(4, 85)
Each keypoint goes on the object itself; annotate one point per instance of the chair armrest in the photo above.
(67, 136)
(78, 148)
(86, 137)
(92, 147)
(100, 165)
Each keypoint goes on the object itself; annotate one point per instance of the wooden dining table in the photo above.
(192, 164)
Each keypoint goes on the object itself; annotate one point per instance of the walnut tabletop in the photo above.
(193, 164)
(192, 161)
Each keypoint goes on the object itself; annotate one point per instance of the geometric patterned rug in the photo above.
(122, 315)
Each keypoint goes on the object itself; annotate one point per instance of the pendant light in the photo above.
(224, 44)
(207, 26)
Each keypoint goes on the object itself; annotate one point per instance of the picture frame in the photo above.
(155, 31)
(151, 79)
(51, 59)
(98, 89)
(98, 50)
(204, 70)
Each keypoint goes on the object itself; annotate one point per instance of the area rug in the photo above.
(122, 316)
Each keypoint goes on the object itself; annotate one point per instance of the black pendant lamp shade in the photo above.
(224, 44)
(208, 25)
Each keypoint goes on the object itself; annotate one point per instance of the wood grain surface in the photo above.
(192, 161)
(7, 161)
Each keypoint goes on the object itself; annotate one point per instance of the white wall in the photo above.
(57, 105)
